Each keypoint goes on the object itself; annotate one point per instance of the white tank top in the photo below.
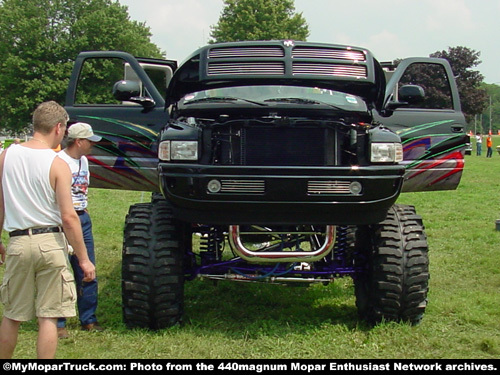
(29, 199)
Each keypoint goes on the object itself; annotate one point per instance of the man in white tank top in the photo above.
(35, 208)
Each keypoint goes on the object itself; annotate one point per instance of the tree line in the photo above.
(491, 114)
(39, 40)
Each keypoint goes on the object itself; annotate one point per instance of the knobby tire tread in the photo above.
(152, 269)
(395, 286)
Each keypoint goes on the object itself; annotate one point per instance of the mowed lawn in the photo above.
(239, 320)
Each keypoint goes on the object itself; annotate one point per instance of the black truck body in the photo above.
(293, 153)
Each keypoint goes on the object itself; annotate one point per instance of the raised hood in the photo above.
(342, 68)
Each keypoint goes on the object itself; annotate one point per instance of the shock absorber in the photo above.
(211, 245)
(342, 252)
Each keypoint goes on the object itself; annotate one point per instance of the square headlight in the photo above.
(184, 150)
(178, 150)
(386, 153)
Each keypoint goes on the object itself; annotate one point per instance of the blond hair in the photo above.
(47, 115)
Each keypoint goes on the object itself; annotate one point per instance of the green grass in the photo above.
(236, 320)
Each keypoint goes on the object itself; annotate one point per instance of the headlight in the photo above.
(178, 150)
(386, 153)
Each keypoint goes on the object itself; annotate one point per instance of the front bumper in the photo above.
(280, 195)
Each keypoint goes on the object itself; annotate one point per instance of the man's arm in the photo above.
(61, 179)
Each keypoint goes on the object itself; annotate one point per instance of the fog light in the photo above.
(213, 186)
(355, 188)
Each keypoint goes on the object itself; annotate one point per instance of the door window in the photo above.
(434, 80)
(98, 75)
(96, 81)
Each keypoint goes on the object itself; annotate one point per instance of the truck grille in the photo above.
(283, 146)
(278, 68)
(344, 67)
(297, 52)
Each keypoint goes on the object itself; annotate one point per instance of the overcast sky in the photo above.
(390, 29)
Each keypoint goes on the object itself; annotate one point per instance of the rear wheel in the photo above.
(152, 267)
(395, 284)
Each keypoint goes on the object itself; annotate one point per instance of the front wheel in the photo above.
(395, 283)
(152, 267)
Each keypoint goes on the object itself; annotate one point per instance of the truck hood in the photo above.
(342, 68)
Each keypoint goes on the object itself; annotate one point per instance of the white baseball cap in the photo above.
(84, 131)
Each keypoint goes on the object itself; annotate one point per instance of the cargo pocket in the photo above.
(15, 265)
(4, 292)
(15, 257)
(53, 255)
(68, 295)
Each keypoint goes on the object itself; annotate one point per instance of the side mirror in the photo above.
(129, 91)
(407, 94)
(124, 90)
(411, 94)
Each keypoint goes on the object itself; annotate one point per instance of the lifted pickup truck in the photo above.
(292, 154)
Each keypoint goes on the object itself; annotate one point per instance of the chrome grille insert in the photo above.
(218, 53)
(262, 68)
(242, 187)
(335, 70)
(328, 53)
(328, 187)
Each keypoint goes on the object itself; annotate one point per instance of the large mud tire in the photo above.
(152, 267)
(395, 284)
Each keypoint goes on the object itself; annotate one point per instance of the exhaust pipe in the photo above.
(281, 256)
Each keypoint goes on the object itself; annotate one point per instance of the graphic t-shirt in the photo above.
(80, 181)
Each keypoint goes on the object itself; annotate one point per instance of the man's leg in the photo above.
(8, 337)
(47, 338)
(87, 291)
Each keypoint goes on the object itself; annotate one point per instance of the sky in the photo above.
(390, 29)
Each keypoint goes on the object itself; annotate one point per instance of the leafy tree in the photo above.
(492, 110)
(259, 20)
(462, 60)
(39, 40)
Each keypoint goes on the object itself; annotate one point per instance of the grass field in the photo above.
(234, 320)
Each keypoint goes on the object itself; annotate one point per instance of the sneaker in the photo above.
(92, 327)
(62, 333)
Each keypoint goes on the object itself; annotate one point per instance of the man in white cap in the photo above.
(80, 140)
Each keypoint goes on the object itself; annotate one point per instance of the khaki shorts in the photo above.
(37, 280)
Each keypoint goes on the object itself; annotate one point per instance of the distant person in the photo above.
(17, 141)
(36, 208)
(489, 146)
(81, 138)
(479, 143)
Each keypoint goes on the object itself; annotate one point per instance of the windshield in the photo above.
(274, 94)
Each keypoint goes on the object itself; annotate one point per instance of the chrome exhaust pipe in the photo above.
(261, 255)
